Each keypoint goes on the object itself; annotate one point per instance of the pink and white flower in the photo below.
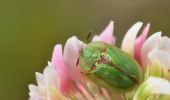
(47, 88)
(156, 52)
(62, 80)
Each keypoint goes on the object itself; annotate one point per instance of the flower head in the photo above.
(63, 80)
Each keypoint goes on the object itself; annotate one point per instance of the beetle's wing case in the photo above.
(110, 67)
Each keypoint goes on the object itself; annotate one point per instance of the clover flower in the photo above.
(62, 79)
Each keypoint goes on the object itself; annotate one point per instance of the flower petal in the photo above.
(40, 80)
(128, 42)
(164, 43)
(36, 93)
(139, 43)
(151, 43)
(64, 79)
(71, 54)
(84, 91)
(51, 78)
(33, 89)
(152, 86)
(106, 35)
(51, 75)
(47, 86)
(163, 57)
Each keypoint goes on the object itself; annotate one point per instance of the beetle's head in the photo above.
(88, 57)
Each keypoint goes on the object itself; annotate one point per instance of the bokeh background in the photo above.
(29, 29)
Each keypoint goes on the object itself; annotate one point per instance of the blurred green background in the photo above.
(29, 29)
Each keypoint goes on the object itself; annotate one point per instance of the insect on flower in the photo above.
(105, 72)
(109, 67)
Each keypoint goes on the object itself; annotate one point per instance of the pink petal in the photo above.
(105, 93)
(84, 91)
(64, 81)
(71, 54)
(128, 43)
(106, 35)
(139, 43)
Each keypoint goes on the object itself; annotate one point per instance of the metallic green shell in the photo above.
(109, 67)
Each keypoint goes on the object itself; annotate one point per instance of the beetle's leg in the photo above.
(81, 49)
(77, 62)
(93, 67)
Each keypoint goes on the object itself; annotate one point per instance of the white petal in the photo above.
(51, 75)
(152, 86)
(158, 86)
(35, 93)
(47, 85)
(130, 37)
(150, 44)
(72, 49)
(33, 89)
(162, 56)
(165, 43)
(40, 80)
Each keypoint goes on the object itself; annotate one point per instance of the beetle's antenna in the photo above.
(86, 40)
(88, 36)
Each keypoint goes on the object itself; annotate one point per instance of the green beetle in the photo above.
(109, 67)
